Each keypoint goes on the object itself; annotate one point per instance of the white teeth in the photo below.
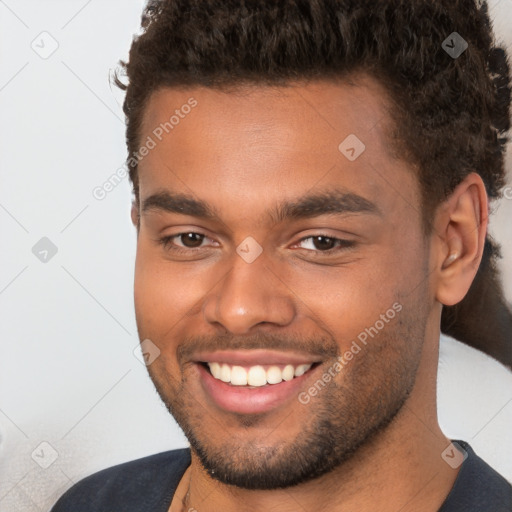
(238, 376)
(274, 375)
(288, 372)
(302, 369)
(215, 369)
(225, 373)
(256, 375)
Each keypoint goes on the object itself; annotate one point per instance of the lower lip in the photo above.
(251, 400)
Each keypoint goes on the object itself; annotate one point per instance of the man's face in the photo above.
(313, 251)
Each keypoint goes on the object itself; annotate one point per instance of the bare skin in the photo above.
(243, 154)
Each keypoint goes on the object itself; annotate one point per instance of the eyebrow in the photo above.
(330, 202)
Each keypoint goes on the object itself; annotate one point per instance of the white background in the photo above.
(68, 374)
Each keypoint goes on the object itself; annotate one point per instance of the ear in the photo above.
(460, 229)
(135, 214)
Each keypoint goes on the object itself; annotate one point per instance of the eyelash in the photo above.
(166, 243)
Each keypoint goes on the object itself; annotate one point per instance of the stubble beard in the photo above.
(347, 414)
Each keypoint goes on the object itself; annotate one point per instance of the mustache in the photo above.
(323, 347)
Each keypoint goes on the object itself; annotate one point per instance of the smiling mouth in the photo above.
(256, 375)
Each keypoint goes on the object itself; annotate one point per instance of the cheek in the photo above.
(154, 292)
(350, 299)
(349, 296)
(164, 292)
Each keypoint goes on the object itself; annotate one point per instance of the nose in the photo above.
(250, 294)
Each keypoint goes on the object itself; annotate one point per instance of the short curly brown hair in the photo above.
(450, 115)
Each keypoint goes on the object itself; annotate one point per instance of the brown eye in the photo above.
(319, 245)
(182, 243)
(191, 240)
(323, 243)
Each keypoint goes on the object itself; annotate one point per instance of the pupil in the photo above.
(324, 245)
(192, 239)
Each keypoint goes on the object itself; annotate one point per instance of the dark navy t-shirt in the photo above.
(149, 484)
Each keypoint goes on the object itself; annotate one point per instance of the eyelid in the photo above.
(344, 242)
(168, 239)
(178, 235)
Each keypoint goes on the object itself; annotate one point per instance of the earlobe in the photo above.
(461, 228)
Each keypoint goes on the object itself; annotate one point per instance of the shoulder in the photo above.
(143, 484)
(478, 487)
(473, 391)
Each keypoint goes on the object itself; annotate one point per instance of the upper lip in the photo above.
(254, 357)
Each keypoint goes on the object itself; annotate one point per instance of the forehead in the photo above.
(256, 144)
(326, 111)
